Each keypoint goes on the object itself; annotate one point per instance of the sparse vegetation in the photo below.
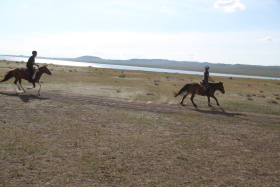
(122, 75)
(90, 127)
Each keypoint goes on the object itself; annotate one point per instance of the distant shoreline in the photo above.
(246, 71)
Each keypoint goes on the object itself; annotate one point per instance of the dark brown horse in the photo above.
(21, 73)
(196, 88)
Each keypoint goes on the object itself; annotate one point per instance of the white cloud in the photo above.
(112, 45)
(268, 39)
(169, 10)
(216, 47)
(229, 5)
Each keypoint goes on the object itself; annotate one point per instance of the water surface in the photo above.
(123, 67)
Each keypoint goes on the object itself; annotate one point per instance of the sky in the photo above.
(215, 31)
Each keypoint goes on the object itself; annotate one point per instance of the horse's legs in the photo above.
(215, 99)
(208, 97)
(15, 82)
(39, 88)
(193, 101)
(35, 86)
(181, 103)
(21, 85)
(33, 83)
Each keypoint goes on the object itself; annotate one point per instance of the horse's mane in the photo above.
(216, 83)
(212, 83)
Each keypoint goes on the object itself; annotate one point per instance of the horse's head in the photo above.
(221, 87)
(44, 69)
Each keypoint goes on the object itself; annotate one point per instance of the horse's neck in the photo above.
(213, 86)
(39, 74)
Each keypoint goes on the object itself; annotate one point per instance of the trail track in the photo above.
(140, 105)
(107, 130)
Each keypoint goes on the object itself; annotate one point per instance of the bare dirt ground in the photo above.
(73, 135)
(66, 139)
(142, 106)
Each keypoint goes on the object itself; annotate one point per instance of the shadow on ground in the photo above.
(24, 97)
(215, 111)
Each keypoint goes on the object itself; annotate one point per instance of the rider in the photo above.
(30, 63)
(207, 78)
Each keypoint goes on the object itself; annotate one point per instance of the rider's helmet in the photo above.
(206, 67)
(34, 52)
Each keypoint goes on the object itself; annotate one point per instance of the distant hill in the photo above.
(88, 59)
(240, 69)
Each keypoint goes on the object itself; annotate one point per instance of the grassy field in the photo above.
(105, 127)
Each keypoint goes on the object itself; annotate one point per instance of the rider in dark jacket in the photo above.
(30, 63)
(206, 79)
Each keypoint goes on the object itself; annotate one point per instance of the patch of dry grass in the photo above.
(45, 142)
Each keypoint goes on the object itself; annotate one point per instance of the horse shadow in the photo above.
(24, 97)
(219, 111)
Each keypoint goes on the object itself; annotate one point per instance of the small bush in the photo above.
(122, 75)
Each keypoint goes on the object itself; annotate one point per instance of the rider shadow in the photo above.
(219, 111)
(24, 97)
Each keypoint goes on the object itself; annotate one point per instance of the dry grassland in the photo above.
(105, 127)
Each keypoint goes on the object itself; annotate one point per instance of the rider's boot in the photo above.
(30, 79)
(207, 92)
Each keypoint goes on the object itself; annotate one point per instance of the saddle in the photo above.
(203, 86)
(26, 72)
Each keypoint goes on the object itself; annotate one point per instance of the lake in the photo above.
(112, 66)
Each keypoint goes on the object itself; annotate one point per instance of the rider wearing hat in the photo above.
(206, 78)
(30, 63)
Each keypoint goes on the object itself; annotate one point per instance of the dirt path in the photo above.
(142, 106)
(92, 142)
(112, 131)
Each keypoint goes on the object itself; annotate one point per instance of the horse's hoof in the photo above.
(210, 105)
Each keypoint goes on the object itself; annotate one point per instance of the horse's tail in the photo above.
(8, 75)
(185, 88)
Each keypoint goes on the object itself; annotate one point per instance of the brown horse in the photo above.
(22, 73)
(196, 88)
